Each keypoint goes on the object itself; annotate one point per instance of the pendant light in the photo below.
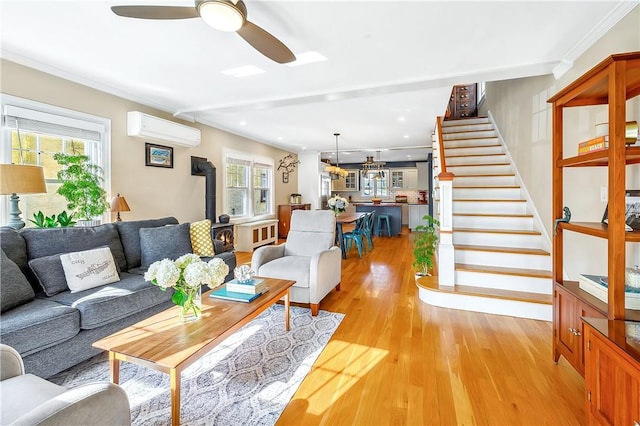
(335, 171)
(373, 168)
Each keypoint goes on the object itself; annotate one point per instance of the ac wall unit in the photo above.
(146, 126)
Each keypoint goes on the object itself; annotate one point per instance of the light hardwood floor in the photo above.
(397, 361)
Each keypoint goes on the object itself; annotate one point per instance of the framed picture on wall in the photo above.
(631, 210)
(285, 177)
(158, 156)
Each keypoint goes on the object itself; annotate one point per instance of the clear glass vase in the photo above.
(191, 310)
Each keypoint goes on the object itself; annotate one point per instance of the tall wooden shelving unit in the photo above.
(612, 82)
(609, 358)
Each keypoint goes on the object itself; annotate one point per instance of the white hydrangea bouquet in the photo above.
(338, 204)
(186, 275)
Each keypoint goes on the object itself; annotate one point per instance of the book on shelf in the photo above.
(253, 286)
(224, 294)
(597, 286)
(596, 144)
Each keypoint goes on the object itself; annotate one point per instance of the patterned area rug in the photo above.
(246, 380)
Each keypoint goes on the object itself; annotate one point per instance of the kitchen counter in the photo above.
(393, 210)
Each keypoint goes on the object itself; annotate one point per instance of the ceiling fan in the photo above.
(224, 15)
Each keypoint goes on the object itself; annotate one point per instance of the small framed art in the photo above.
(158, 156)
(285, 177)
(631, 210)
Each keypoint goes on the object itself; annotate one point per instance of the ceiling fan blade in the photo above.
(156, 12)
(265, 43)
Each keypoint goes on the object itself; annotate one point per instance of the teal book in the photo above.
(222, 293)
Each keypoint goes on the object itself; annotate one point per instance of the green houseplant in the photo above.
(424, 245)
(81, 186)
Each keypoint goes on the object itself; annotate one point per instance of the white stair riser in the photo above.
(469, 135)
(493, 222)
(487, 305)
(510, 260)
(496, 149)
(500, 207)
(462, 180)
(476, 159)
(505, 282)
(497, 240)
(487, 193)
(467, 128)
(475, 120)
(469, 142)
(480, 170)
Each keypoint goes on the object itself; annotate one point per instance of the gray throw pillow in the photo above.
(50, 274)
(15, 290)
(164, 242)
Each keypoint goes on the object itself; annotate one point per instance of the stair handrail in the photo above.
(443, 165)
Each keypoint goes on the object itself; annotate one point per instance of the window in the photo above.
(376, 184)
(249, 186)
(481, 92)
(33, 132)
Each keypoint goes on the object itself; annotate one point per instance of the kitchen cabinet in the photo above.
(612, 377)
(349, 183)
(422, 170)
(416, 213)
(612, 83)
(284, 217)
(404, 178)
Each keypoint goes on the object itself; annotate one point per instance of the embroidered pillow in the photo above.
(200, 233)
(88, 269)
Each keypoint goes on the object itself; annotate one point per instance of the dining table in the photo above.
(341, 220)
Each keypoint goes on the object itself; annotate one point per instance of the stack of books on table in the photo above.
(241, 292)
(596, 144)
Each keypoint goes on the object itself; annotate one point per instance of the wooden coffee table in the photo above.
(164, 343)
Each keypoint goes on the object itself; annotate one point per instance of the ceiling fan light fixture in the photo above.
(221, 15)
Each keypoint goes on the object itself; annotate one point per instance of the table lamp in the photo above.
(119, 204)
(20, 179)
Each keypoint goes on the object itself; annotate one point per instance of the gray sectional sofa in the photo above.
(53, 328)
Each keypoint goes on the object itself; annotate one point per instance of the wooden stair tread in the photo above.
(462, 122)
(466, 139)
(486, 175)
(502, 200)
(475, 155)
(498, 231)
(486, 186)
(431, 283)
(521, 272)
(481, 165)
(474, 146)
(493, 215)
(470, 131)
(511, 250)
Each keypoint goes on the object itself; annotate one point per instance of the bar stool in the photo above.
(387, 220)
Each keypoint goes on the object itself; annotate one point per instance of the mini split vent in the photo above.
(157, 129)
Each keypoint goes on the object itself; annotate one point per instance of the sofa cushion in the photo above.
(49, 241)
(165, 242)
(288, 268)
(37, 325)
(200, 233)
(15, 290)
(89, 268)
(50, 274)
(14, 247)
(106, 304)
(130, 237)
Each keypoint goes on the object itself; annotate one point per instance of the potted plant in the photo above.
(81, 186)
(424, 245)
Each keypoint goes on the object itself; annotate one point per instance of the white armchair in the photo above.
(309, 256)
(26, 399)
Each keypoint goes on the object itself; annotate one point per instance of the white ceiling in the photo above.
(390, 67)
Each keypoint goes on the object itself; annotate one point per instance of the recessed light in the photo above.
(401, 118)
(243, 123)
(406, 136)
(306, 58)
(304, 148)
(246, 71)
(279, 138)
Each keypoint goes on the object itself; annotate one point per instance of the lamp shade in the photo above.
(119, 204)
(21, 179)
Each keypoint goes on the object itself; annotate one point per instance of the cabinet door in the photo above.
(352, 181)
(397, 179)
(338, 184)
(584, 310)
(567, 343)
(411, 178)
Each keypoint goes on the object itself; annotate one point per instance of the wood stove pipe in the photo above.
(208, 170)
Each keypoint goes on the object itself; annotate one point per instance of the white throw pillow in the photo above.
(88, 269)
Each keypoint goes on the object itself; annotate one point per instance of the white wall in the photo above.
(309, 179)
(524, 118)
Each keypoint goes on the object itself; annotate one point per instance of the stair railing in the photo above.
(446, 250)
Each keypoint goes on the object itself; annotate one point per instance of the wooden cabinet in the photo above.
(612, 377)
(463, 102)
(612, 83)
(568, 330)
(349, 183)
(416, 213)
(284, 217)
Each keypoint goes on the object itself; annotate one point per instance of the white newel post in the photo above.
(446, 253)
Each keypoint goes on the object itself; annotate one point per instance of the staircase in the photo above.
(502, 262)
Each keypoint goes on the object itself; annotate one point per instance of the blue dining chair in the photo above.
(356, 236)
(367, 230)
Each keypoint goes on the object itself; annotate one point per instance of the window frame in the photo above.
(253, 161)
(29, 109)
